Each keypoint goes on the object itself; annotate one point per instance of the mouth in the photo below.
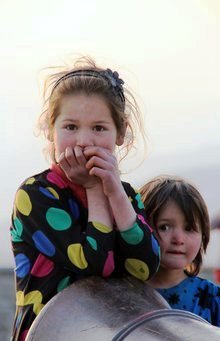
(176, 252)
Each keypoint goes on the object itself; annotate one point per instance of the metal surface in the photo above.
(115, 309)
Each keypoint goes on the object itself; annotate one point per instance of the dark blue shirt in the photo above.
(197, 295)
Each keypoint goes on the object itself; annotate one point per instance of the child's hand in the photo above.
(73, 163)
(102, 164)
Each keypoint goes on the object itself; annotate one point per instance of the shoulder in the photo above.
(46, 183)
(35, 179)
(205, 285)
(129, 189)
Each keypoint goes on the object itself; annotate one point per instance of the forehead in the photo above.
(81, 101)
(170, 208)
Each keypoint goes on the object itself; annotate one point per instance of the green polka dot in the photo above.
(92, 243)
(16, 233)
(137, 268)
(65, 282)
(139, 201)
(134, 235)
(19, 226)
(58, 219)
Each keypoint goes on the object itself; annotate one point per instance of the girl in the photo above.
(77, 218)
(179, 217)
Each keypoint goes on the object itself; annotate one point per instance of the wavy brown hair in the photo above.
(156, 193)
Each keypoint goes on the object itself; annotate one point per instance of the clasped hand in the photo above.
(90, 167)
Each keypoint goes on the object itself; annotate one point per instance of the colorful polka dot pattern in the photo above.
(137, 268)
(134, 235)
(54, 243)
(58, 219)
(76, 256)
(23, 202)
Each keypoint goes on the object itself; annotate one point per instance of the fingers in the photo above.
(79, 156)
(63, 162)
(72, 157)
(98, 151)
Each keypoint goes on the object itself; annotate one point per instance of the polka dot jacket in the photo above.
(197, 295)
(54, 244)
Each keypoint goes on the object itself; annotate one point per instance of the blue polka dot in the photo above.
(46, 192)
(74, 208)
(43, 244)
(155, 247)
(22, 265)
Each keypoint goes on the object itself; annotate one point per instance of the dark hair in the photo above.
(124, 109)
(159, 190)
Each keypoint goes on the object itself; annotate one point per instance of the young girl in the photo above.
(77, 218)
(179, 217)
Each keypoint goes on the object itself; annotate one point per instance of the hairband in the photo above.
(111, 76)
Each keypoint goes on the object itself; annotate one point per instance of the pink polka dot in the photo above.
(42, 266)
(144, 221)
(23, 335)
(109, 265)
(56, 179)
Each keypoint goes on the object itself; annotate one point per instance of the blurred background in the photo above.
(168, 53)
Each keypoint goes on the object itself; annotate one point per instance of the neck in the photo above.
(165, 278)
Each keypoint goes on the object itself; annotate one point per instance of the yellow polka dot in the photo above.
(33, 297)
(37, 308)
(101, 227)
(23, 202)
(20, 298)
(137, 268)
(76, 256)
(52, 190)
(30, 181)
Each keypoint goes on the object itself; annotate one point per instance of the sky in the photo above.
(167, 52)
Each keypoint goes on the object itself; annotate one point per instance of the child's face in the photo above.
(84, 121)
(179, 242)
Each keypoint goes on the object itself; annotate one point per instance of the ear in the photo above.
(121, 135)
(49, 135)
(120, 140)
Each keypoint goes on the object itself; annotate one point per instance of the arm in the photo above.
(55, 224)
(137, 248)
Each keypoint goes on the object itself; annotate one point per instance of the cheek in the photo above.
(163, 245)
(61, 141)
(107, 144)
(195, 244)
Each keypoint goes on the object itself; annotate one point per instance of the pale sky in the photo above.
(167, 51)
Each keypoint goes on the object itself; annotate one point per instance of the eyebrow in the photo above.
(168, 220)
(93, 122)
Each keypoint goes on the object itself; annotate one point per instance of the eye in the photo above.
(70, 127)
(163, 228)
(99, 128)
(190, 228)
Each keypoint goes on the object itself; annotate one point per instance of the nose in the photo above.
(178, 236)
(84, 139)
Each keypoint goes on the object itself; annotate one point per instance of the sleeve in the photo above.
(215, 313)
(137, 248)
(47, 220)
